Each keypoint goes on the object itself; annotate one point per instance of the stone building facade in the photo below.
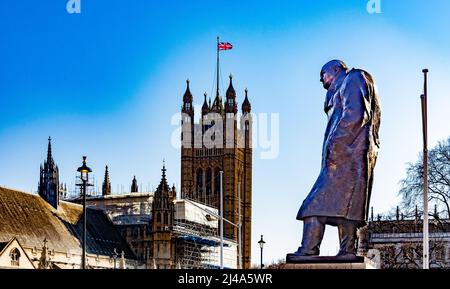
(221, 142)
(131, 214)
(397, 243)
(49, 237)
(165, 232)
(43, 231)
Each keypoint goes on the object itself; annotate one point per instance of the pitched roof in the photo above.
(30, 219)
(3, 245)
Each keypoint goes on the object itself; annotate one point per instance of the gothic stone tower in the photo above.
(49, 179)
(106, 186)
(162, 224)
(217, 144)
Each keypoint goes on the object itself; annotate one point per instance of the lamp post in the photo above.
(261, 245)
(84, 171)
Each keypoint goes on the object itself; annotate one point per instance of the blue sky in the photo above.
(107, 82)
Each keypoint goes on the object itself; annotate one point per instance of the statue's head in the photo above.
(331, 71)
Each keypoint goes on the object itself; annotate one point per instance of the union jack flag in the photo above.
(225, 46)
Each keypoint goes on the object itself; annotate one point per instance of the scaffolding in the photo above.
(197, 242)
(196, 245)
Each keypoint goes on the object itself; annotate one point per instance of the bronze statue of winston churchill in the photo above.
(340, 196)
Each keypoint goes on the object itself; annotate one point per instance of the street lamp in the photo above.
(84, 171)
(261, 245)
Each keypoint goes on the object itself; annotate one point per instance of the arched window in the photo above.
(217, 180)
(208, 182)
(15, 256)
(158, 217)
(166, 218)
(199, 179)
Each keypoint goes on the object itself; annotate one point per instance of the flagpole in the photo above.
(217, 92)
(426, 250)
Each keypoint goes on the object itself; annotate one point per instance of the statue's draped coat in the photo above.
(350, 147)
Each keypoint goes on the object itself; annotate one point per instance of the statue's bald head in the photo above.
(330, 71)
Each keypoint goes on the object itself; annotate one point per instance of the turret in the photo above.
(205, 107)
(230, 103)
(246, 106)
(187, 101)
(187, 119)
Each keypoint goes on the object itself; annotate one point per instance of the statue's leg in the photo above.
(347, 237)
(313, 230)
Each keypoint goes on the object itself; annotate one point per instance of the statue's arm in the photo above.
(354, 114)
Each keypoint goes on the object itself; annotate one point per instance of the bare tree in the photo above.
(409, 255)
(279, 264)
(438, 183)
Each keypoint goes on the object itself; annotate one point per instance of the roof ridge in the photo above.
(17, 190)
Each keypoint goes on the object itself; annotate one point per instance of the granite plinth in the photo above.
(294, 261)
(325, 266)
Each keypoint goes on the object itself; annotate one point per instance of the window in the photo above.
(200, 181)
(209, 182)
(158, 217)
(15, 256)
(216, 181)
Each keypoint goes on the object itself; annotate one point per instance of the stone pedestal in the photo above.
(325, 266)
(319, 262)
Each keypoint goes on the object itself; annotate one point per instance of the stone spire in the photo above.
(163, 206)
(134, 185)
(106, 187)
(217, 106)
(163, 186)
(49, 179)
(49, 151)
